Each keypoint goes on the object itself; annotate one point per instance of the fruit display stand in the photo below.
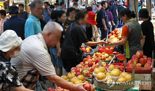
(103, 62)
(143, 70)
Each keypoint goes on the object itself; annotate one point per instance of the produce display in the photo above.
(105, 68)
(114, 36)
(140, 62)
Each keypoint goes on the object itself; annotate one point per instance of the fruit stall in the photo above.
(103, 68)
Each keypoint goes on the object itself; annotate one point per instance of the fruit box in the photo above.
(141, 70)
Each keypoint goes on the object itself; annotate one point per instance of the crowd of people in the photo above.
(52, 37)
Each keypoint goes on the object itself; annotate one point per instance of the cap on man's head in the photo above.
(9, 40)
(13, 10)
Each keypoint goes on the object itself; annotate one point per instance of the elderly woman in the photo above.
(9, 47)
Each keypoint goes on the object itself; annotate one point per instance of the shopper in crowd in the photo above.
(61, 18)
(9, 47)
(75, 36)
(91, 28)
(2, 20)
(75, 5)
(89, 9)
(47, 11)
(147, 29)
(61, 6)
(22, 14)
(131, 33)
(35, 59)
(113, 8)
(110, 19)
(102, 20)
(33, 25)
(14, 22)
(71, 12)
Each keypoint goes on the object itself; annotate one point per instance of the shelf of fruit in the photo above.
(140, 63)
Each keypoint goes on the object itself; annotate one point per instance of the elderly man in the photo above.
(34, 58)
(33, 24)
(9, 80)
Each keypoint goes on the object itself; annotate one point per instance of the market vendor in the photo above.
(75, 36)
(131, 33)
(9, 47)
(35, 60)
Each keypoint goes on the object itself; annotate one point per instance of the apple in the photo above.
(90, 64)
(128, 77)
(97, 61)
(134, 58)
(104, 64)
(147, 65)
(139, 54)
(130, 65)
(100, 76)
(123, 74)
(102, 69)
(86, 73)
(88, 49)
(64, 77)
(111, 67)
(70, 75)
(83, 49)
(87, 87)
(149, 60)
(143, 61)
(115, 72)
(138, 65)
(81, 77)
(121, 79)
(97, 70)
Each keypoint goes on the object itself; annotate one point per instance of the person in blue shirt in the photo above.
(23, 14)
(33, 25)
(47, 11)
(14, 22)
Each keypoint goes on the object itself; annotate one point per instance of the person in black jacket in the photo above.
(147, 29)
(15, 23)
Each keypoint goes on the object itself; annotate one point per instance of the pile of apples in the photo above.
(71, 77)
(114, 36)
(86, 49)
(139, 60)
(102, 56)
(111, 74)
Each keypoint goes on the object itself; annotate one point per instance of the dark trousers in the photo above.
(103, 33)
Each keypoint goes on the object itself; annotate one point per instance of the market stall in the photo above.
(103, 68)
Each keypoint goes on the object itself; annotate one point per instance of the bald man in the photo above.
(34, 59)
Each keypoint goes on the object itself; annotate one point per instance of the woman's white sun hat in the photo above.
(9, 40)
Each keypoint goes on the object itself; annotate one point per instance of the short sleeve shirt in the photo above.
(102, 14)
(34, 55)
(32, 26)
(8, 76)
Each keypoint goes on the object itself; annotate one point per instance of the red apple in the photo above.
(139, 54)
(130, 65)
(138, 65)
(87, 87)
(83, 49)
(143, 61)
(147, 65)
(134, 58)
(149, 60)
(96, 61)
(90, 64)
